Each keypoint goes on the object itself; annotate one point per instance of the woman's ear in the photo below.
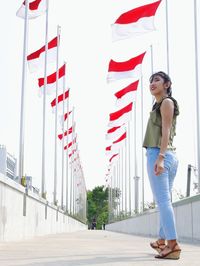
(167, 84)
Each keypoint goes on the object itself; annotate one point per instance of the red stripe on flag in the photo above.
(126, 65)
(122, 111)
(120, 139)
(60, 98)
(33, 5)
(131, 87)
(52, 78)
(135, 14)
(112, 129)
(66, 115)
(113, 157)
(67, 132)
(53, 43)
(70, 144)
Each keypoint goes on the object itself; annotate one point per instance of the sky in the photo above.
(87, 48)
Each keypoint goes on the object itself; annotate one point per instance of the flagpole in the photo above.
(142, 133)
(197, 90)
(122, 152)
(114, 190)
(119, 180)
(136, 178)
(129, 165)
(111, 196)
(56, 118)
(151, 47)
(74, 177)
(125, 175)
(167, 35)
(71, 179)
(74, 183)
(119, 184)
(63, 132)
(67, 154)
(22, 112)
(43, 194)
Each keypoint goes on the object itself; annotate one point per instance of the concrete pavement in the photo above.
(91, 247)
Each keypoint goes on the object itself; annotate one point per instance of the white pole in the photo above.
(136, 178)
(129, 166)
(67, 160)
(72, 157)
(197, 90)
(56, 118)
(22, 112)
(125, 175)
(118, 185)
(120, 190)
(142, 135)
(43, 194)
(167, 35)
(63, 140)
(151, 59)
(122, 153)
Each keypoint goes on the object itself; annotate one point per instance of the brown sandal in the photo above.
(173, 254)
(157, 246)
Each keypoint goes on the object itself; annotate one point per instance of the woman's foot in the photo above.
(171, 251)
(158, 245)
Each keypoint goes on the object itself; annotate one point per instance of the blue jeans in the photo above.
(161, 187)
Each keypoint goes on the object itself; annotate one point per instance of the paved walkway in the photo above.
(90, 248)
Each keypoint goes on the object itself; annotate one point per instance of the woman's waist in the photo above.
(156, 150)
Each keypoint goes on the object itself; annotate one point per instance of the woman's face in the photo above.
(157, 86)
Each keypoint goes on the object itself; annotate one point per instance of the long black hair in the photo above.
(166, 79)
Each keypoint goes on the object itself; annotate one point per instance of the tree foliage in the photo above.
(97, 205)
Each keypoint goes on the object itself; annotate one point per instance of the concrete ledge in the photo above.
(25, 215)
(187, 215)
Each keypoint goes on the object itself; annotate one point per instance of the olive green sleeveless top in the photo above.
(154, 126)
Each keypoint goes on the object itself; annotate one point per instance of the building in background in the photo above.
(8, 163)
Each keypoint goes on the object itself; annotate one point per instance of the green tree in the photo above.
(97, 205)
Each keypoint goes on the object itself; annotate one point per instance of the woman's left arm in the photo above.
(167, 112)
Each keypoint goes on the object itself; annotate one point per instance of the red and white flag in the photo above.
(108, 148)
(66, 133)
(135, 22)
(51, 81)
(127, 69)
(36, 9)
(115, 156)
(60, 100)
(120, 141)
(111, 150)
(70, 144)
(127, 94)
(116, 145)
(36, 60)
(65, 117)
(73, 152)
(115, 132)
(121, 116)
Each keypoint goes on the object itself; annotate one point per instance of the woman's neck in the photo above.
(160, 97)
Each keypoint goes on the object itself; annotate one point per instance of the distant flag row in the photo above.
(36, 62)
(132, 23)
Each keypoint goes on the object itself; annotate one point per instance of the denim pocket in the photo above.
(170, 161)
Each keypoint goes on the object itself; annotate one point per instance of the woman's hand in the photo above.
(159, 166)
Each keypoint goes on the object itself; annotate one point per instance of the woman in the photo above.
(162, 162)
